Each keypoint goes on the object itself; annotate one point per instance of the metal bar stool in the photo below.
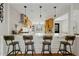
(69, 42)
(9, 39)
(46, 42)
(28, 42)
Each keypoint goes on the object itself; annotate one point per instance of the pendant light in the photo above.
(40, 11)
(40, 14)
(55, 12)
(25, 9)
(39, 24)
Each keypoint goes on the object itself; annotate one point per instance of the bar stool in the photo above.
(46, 42)
(69, 42)
(9, 39)
(28, 42)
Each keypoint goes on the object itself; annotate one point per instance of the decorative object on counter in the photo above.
(39, 28)
(33, 28)
(14, 32)
(1, 12)
(49, 25)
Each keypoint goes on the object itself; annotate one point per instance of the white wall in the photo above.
(4, 28)
(63, 20)
(75, 23)
(4, 24)
(14, 17)
(74, 26)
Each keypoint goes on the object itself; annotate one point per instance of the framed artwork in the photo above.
(57, 27)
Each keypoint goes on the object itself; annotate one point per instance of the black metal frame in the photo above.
(66, 43)
(46, 43)
(28, 42)
(13, 44)
(57, 28)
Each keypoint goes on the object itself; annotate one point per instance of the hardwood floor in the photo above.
(53, 54)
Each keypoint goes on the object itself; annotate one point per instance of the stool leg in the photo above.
(59, 48)
(32, 49)
(8, 50)
(25, 49)
(50, 49)
(13, 49)
(43, 49)
(65, 49)
(70, 49)
(19, 49)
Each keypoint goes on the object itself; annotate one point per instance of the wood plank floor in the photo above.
(53, 54)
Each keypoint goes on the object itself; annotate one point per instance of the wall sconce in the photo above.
(1, 12)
